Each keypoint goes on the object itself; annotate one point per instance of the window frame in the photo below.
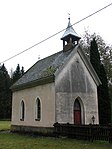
(22, 111)
(38, 109)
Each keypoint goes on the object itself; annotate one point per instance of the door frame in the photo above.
(77, 112)
(82, 113)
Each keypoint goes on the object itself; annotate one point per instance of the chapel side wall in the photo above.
(46, 94)
(75, 81)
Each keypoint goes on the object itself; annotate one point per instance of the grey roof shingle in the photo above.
(43, 68)
(48, 67)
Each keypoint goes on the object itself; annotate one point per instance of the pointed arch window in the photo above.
(22, 111)
(38, 110)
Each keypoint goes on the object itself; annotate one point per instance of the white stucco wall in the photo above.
(74, 81)
(46, 94)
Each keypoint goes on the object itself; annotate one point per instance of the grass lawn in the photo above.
(16, 141)
(5, 125)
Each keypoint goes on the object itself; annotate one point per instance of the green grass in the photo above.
(5, 125)
(17, 141)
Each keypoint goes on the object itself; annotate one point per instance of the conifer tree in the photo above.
(17, 73)
(95, 56)
(22, 70)
(103, 93)
(104, 99)
(5, 93)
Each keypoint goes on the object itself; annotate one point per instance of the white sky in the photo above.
(24, 23)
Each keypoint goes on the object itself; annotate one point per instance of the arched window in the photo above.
(22, 111)
(38, 110)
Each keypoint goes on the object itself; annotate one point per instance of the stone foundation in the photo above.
(45, 131)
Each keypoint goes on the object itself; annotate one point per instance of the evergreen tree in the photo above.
(22, 70)
(103, 93)
(17, 73)
(95, 56)
(104, 99)
(5, 93)
(105, 51)
(110, 93)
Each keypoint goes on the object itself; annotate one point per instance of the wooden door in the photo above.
(77, 112)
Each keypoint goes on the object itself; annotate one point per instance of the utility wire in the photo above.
(56, 33)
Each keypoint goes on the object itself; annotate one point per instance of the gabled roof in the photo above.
(42, 71)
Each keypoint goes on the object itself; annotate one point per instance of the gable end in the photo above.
(89, 67)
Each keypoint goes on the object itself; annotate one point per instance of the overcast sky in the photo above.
(23, 23)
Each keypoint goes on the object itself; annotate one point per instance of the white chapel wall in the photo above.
(47, 97)
(74, 81)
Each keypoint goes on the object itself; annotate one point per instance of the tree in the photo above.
(17, 73)
(104, 49)
(5, 93)
(95, 56)
(103, 92)
(104, 99)
(106, 57)
(105, 52)
(110, 93)
(22, 70)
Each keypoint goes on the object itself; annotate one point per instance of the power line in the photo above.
(56, 33)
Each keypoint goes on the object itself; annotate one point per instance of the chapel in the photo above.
(59, 88)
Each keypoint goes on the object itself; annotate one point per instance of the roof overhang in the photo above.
(42, 81)
(89, 67)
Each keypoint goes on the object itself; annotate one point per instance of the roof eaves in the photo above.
(41, 81)
(89, 67)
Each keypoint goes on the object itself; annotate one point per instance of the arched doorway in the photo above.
(77, 112)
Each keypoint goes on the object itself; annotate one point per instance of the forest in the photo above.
(6, 82)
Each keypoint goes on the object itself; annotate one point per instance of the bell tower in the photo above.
(70, 37)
